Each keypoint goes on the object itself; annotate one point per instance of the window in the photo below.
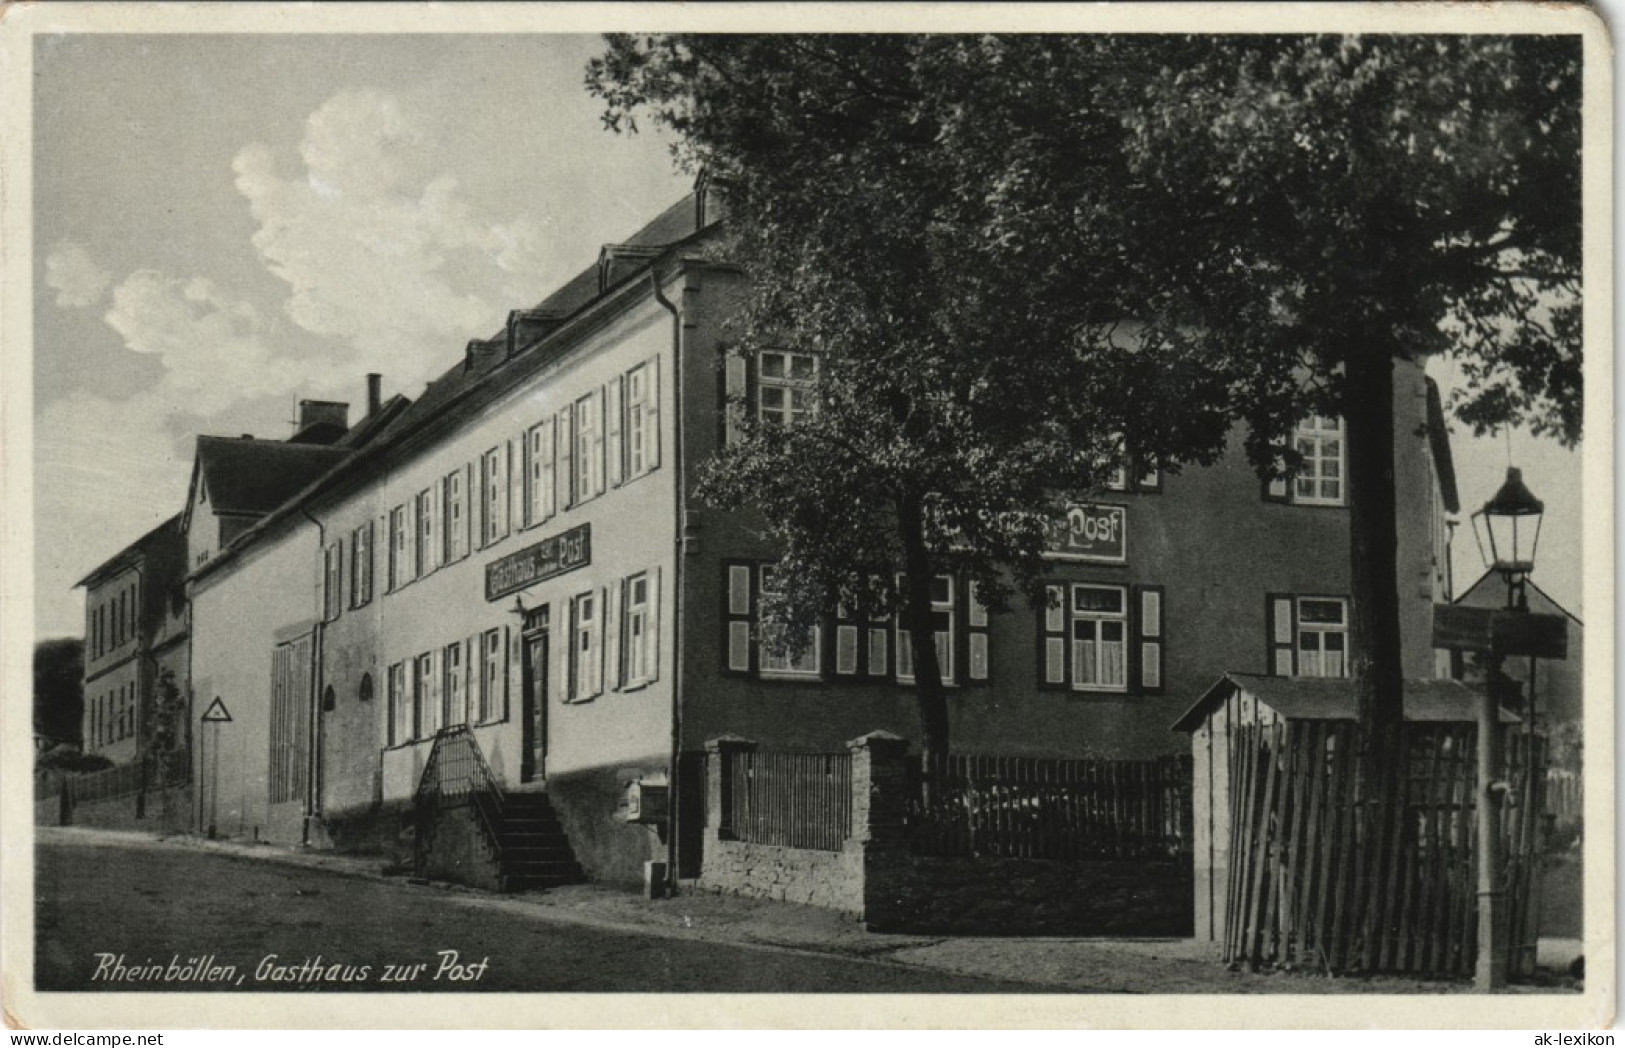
(456, 518)
(1099, 638)
(361, 565)
(642, 431)
(400, 709)
(942, 625)
(491, 677)
(1309, 636)
(1103, 638)
(539, 489)
(398, 535)
(773, 663)
(364, 692)
(585, 661)
(494, 497)
(589, 447)
(425, 696)
(330, 700)
(639, 631)
(1319, 481)
(862, 644)
(428, 546)
(784, 393)
(332, 573)
(1134, 473)
(453, 709)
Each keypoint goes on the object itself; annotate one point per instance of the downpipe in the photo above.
(679, 491)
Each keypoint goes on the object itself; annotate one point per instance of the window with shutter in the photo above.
(585, 657)
(862, 643)
(1093, 639)
(539, 473)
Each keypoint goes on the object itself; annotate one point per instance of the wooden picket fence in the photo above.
(1311, 885)
(795, 800)
(1039, 808)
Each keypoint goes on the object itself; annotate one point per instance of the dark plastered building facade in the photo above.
(519, 551)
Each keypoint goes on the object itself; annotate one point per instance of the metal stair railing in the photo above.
(456, 768)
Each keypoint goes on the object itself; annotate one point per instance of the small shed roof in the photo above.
(1332, 698)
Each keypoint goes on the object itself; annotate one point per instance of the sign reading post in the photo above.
(563, 552)
(1091, 531)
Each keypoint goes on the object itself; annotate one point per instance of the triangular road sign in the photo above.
(216, 713)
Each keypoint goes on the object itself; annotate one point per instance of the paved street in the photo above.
(116, 917)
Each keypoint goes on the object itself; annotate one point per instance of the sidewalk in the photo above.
(1058, 963)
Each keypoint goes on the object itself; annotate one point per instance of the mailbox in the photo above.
(646, 802)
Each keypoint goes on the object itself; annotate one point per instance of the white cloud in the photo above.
(378, 252)
(74, 275)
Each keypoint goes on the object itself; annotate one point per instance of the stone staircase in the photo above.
(535, 853)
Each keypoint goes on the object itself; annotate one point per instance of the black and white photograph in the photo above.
(876, 515)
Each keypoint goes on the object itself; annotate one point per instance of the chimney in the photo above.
(526, 327)
(483, 353)
(321, 422)
(375, 396)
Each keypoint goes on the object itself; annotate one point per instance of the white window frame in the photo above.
(586, 678)
(361, 565)
(807, 665)
(490, 665)
(635, 434)
(588, 446)
(637, 629)
(944, 638)
(426, 552)
(397, 548)
(1097, 620)
(1321, 471)
(787, 385)
(493, 488)
(455, 528)
(400, 710)
(454, 704)
(1314, 652)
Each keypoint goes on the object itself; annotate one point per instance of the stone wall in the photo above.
(878, 878)
(458, 851)
(833, 880)
(164, 811)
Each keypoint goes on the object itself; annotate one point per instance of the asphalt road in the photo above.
(152, 919)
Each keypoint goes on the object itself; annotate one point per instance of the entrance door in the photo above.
(534, 764)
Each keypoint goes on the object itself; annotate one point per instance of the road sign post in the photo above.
(214, 717)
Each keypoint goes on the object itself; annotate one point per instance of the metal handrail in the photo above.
(471, 778)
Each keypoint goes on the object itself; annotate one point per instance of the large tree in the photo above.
(1005, 249)
(1316, 208)
(926, 218)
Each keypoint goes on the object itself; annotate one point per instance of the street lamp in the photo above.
(1510, 523)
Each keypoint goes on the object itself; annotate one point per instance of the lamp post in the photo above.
(1509, 524)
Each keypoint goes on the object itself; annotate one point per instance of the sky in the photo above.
(226, 224)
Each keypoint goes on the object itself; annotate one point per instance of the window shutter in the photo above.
(614, 657)
(614, 396)
(598, 446)
(1053, 637)
(652, 628)
(740, 601)
(565, 441)
(1282, 630)
(735, 394)
(1149, 622)
(651, 415)
(549, 494)
(509, 666)
(513, 498)
(600, 628)
(976, 634)
(1276, 489)
(322, 563)
(846, 648)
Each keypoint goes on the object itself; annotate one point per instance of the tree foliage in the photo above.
(1012, 252)
(59, 689)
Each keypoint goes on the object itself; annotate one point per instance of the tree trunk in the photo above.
(1376, 656)
(1376, 660)
(929, 693)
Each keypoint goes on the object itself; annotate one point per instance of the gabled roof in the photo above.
(129, 554)
(254, 477)
(1332, 698)
(1496, 599)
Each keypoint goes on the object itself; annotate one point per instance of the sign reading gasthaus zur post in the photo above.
(543, 560)
(1091, 531)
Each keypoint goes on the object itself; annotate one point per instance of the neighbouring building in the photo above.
(136, 631)
(518, 552)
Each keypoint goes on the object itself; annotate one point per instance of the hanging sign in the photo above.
(564, 552)
(1091, 531)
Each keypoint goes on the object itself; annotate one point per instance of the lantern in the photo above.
(1509, 524)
